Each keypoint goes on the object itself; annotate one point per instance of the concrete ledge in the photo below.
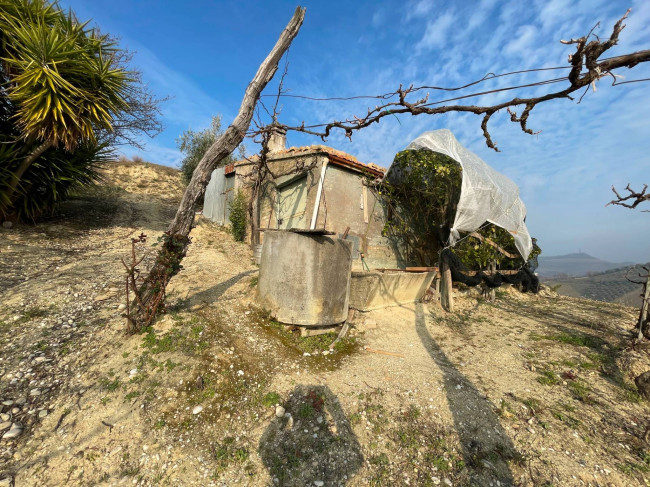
(375, 290)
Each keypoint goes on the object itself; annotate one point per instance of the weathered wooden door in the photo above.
(228, 196)
(292, 205)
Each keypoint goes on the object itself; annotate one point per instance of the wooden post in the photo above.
(493, 291)
(446, 297)
(644, 307)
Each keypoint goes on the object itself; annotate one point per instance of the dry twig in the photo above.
(636, 197)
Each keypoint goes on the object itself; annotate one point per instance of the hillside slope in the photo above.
(613, 286)
(527, 390)
(578, 264)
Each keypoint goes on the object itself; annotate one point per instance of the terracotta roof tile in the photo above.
(338, 157)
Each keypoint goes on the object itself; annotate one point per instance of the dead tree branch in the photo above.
(175, 246)
(635, 198)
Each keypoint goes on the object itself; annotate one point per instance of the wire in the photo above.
(387, 96)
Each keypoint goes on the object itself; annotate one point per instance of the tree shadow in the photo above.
(486, 447)
(213, 293)
(313, 441)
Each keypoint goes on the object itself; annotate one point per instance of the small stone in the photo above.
(132, 372)
(14, 432)
(240, 373)
(319, 419)
(370, 324)
(70, 322)
(326, 352)
(102, 297)
(7, 225)
(21, 400)
(42, 414)
(113, 289)
(319, 483)
(7, 403)
(121, 307)
(15, 410)
(306, 354)
(35, 392)
(279, 411)
(5, 417)
(5, 425)
(6, 482)
(197, 409)
(76, 295)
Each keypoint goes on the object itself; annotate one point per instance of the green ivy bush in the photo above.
(420, 194)
(479, 255)
(238, 216)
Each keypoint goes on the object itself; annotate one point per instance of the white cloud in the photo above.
(436, 33)
(554, 12)
(189, 105)
(522, 42)
(419, 9)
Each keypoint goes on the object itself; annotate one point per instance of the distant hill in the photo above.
(574, 265)
(611, 286)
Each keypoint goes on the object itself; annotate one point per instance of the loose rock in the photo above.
(14, 432)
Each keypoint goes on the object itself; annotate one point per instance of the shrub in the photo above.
(421, 193)
(67, 96)
(238, 211)
(194, 145)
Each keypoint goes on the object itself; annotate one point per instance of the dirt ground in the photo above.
(526, 390)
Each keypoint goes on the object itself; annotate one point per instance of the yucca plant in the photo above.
(62, 83)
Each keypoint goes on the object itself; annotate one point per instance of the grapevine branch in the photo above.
(635, 198)
(585, 64)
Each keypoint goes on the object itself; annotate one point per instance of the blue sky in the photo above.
(203, 54)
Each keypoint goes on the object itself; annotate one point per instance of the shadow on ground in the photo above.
(313, 441)
(210, 295)
(486, 447)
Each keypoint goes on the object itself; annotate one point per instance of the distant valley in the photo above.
(575, 265)
(581, 275)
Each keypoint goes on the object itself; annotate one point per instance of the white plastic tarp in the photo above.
(486, 195)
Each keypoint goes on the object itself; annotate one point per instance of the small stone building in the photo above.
(329, 190)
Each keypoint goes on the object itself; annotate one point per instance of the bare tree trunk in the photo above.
(177, 236)
(28, 161)
(493, 268)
